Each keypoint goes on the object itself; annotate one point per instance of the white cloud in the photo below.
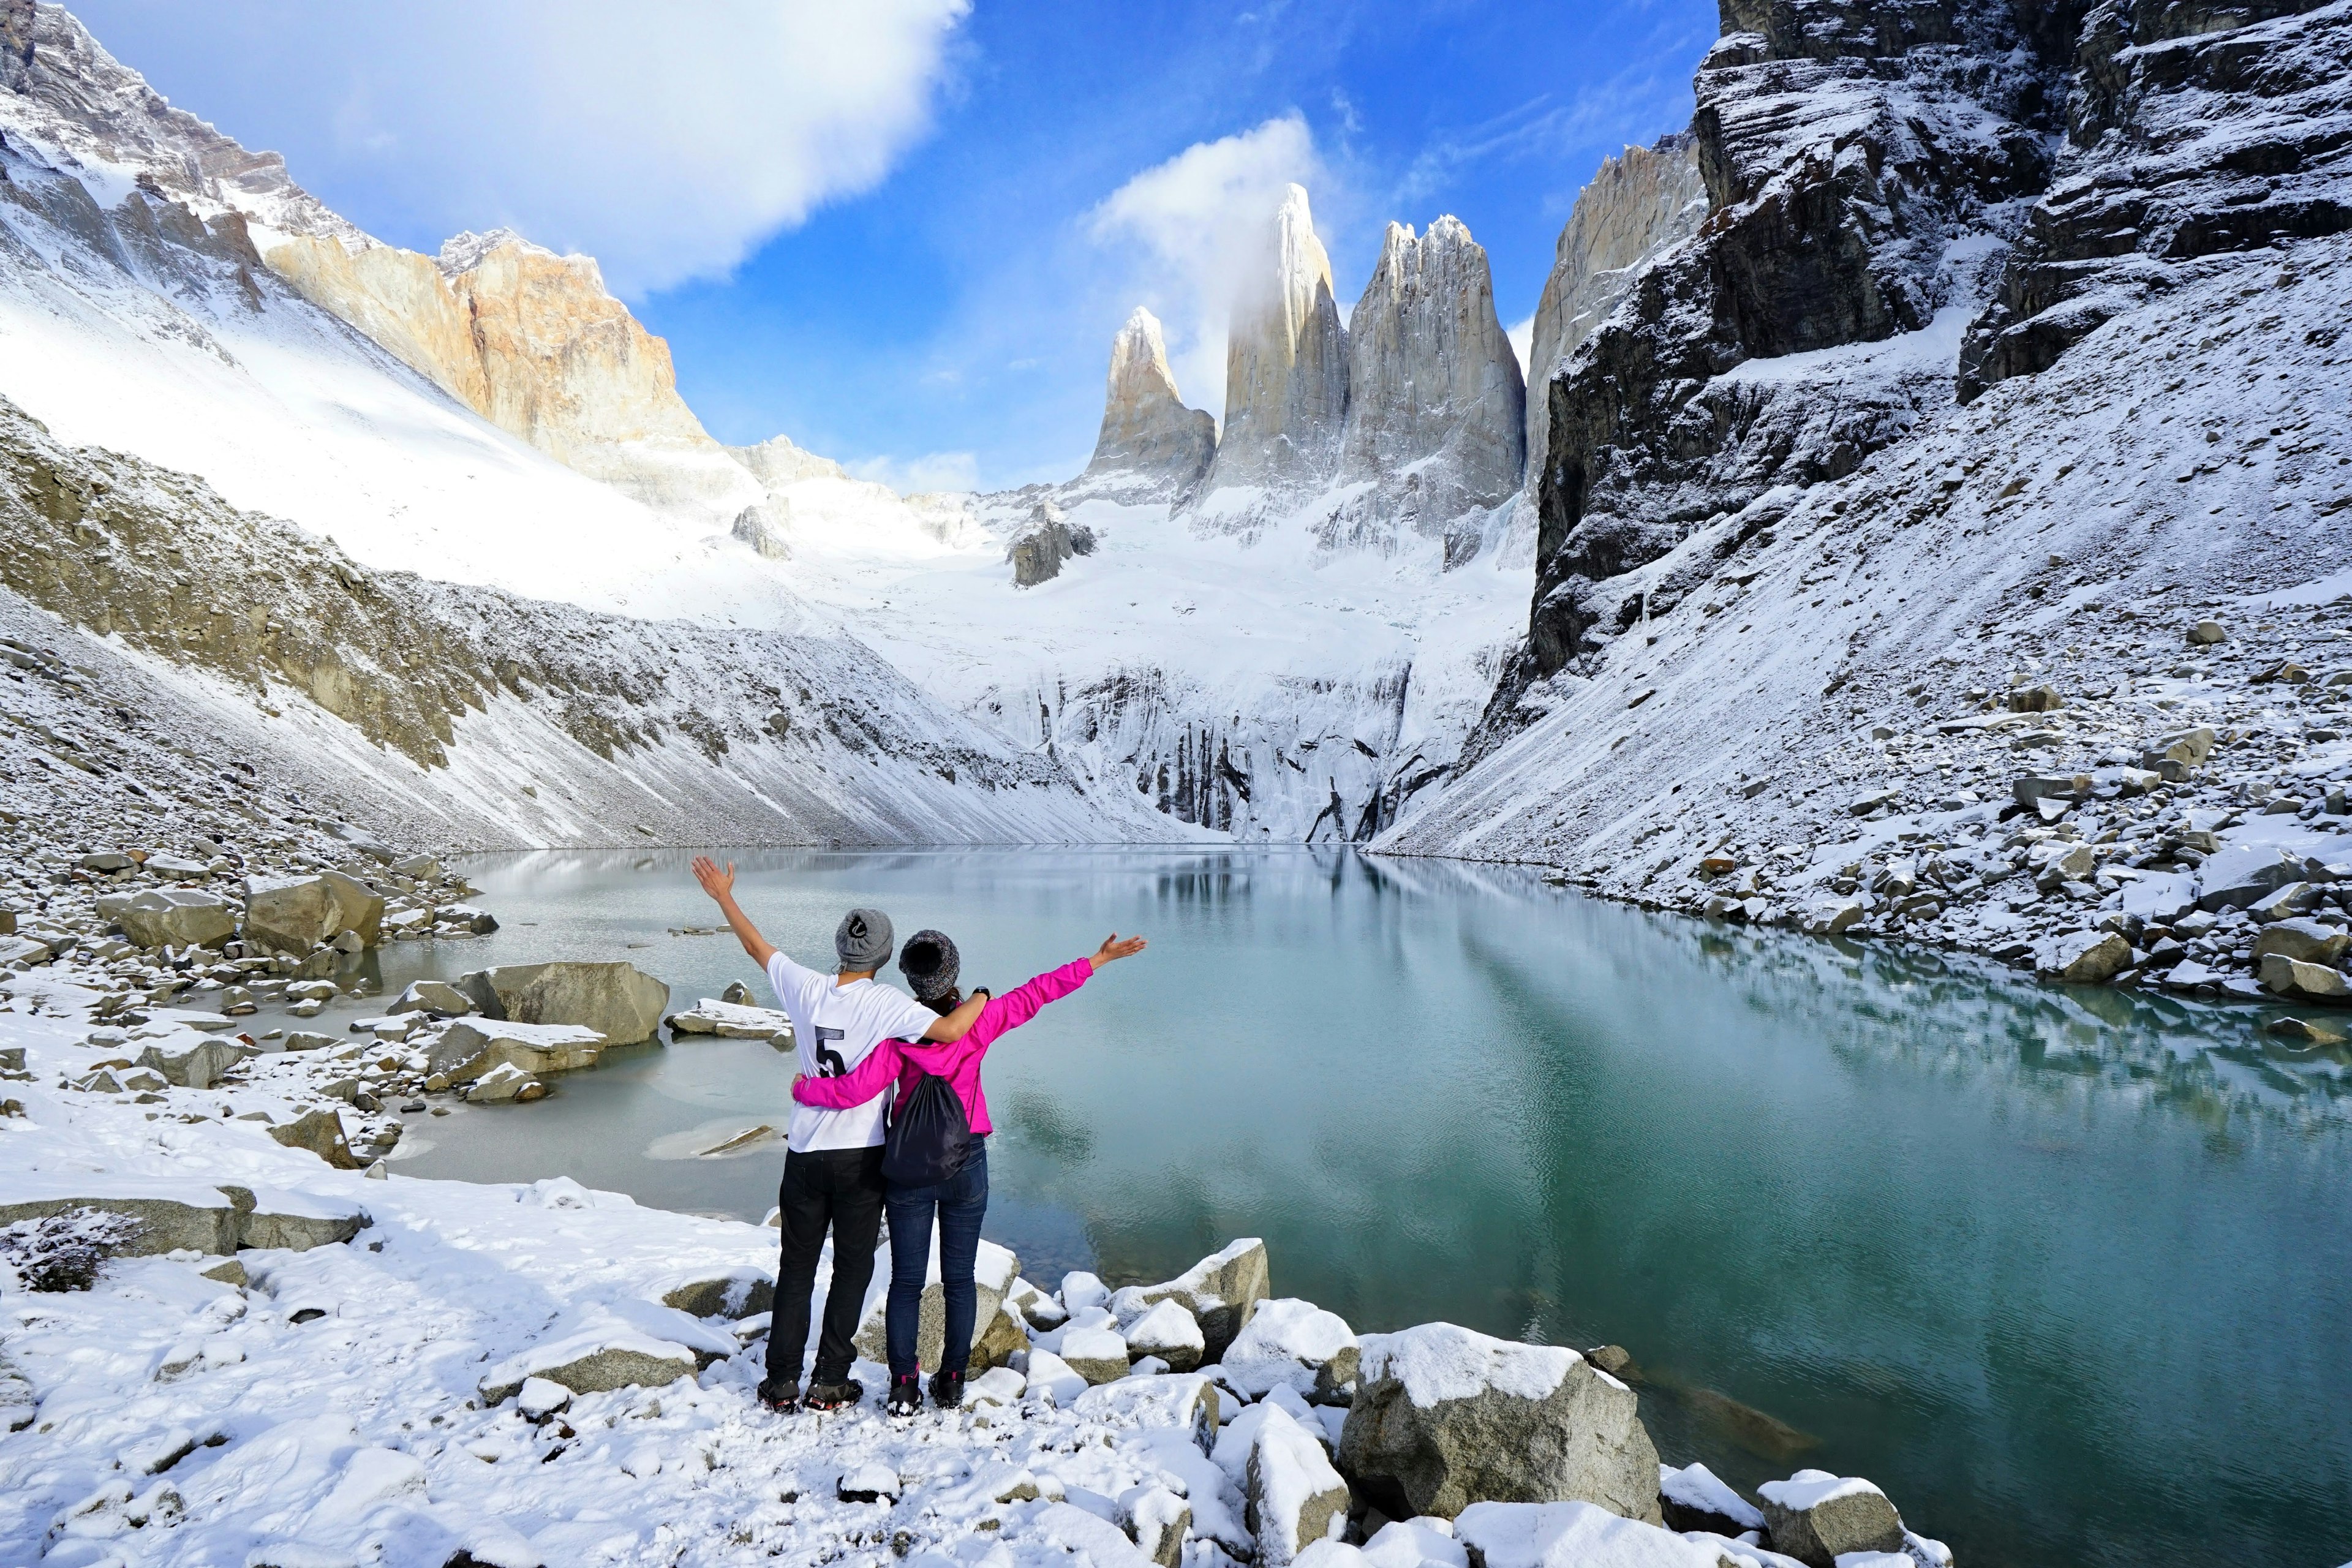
(1195, 224)
(1522, 334)
(916, 476)
(668, 141)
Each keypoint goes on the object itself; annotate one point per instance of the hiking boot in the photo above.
(906, 1395)
(823, 1396)
(947, 1390)
(783, 1398)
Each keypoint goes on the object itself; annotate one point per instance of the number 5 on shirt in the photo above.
(828, 1060)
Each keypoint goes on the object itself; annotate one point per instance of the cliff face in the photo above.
(1866, 166)
(1285, 377)
(1641, 205)
(2192, 131)
(1436, 407)
(532, 342)
(1150, 447)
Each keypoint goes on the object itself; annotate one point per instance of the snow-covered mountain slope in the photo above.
(1785, 573)
(1229, 684)
(128, 322)
(157, 626)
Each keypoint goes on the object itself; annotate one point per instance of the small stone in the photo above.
(2306, 1032)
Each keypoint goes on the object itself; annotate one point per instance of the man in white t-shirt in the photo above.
(832, 1166)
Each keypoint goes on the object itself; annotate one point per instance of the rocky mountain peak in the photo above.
(61, 90)
(1436, 406)
(466, 251)
(1151, 446)
(1641, 205)
(1286, 372)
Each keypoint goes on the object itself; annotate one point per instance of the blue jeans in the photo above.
(960, 1202)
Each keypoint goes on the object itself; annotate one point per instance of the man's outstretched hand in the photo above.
(1113, 948)
(719, 884)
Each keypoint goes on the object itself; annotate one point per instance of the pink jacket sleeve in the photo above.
(856, 1087)
(1017, 1006)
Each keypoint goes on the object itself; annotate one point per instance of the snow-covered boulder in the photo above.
(320, 1131)
(1572, 1535)
(1292, 1494)
(470, 1048)
(294, 1221)
(1293, 1345)
(504, 1082)
(617, 1345)
(1694, 1499)
(721, 1293)
(294, 914)
(2083, 957)
(193, 1063)
(1157, 1520)
(1176, 1401)
(1083, 1292)
(1221, 1291)
(1444, 1416)
(1051, 1375)
(170, 1215)
(731, 1021)
(619, 1001)
(1099, 1354)
(1818, 1518)
(433, 997)
(1169, 1331)
(175, 917)
(1082, 1538)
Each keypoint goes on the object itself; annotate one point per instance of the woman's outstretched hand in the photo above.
(719, 884)
(1114, 949)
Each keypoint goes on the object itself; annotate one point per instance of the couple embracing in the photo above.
(889, 1115)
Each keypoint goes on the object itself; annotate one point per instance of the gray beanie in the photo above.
(863, 939)
(931, 963)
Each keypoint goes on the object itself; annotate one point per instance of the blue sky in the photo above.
(885, 233)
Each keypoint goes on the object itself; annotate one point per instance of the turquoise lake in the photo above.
(2068, 1273)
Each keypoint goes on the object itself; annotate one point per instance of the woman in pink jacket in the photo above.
(959, 1198)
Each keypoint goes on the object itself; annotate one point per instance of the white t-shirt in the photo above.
(836, 1025)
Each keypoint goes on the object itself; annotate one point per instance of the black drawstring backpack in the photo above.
(929, 1136)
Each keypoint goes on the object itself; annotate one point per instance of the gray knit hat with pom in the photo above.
(863, 939)
(931, 963)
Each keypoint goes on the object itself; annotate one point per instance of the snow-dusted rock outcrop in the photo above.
(533, 343)
(2191, 131)
(1436, 409)
(1641, 204)
(1286, 379)
(1150, 447)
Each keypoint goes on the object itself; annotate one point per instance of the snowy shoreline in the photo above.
(298, 1363)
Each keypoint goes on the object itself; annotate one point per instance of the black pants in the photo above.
(837, 1187)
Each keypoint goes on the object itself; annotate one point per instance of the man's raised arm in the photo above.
(720, 886)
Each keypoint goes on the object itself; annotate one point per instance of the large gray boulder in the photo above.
(470, 1048)
(615, 1345)
(2238, 875)
(1444, 1416)
(1222, 1292)
(295, 914)
(2308, 982)
(1816, 1518)
(619, 1001)
(2303, 941)
(174, 916)
(197, 1065)
(321, 1132)
(169, 1215)
(294, 1222)
(436, 999)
